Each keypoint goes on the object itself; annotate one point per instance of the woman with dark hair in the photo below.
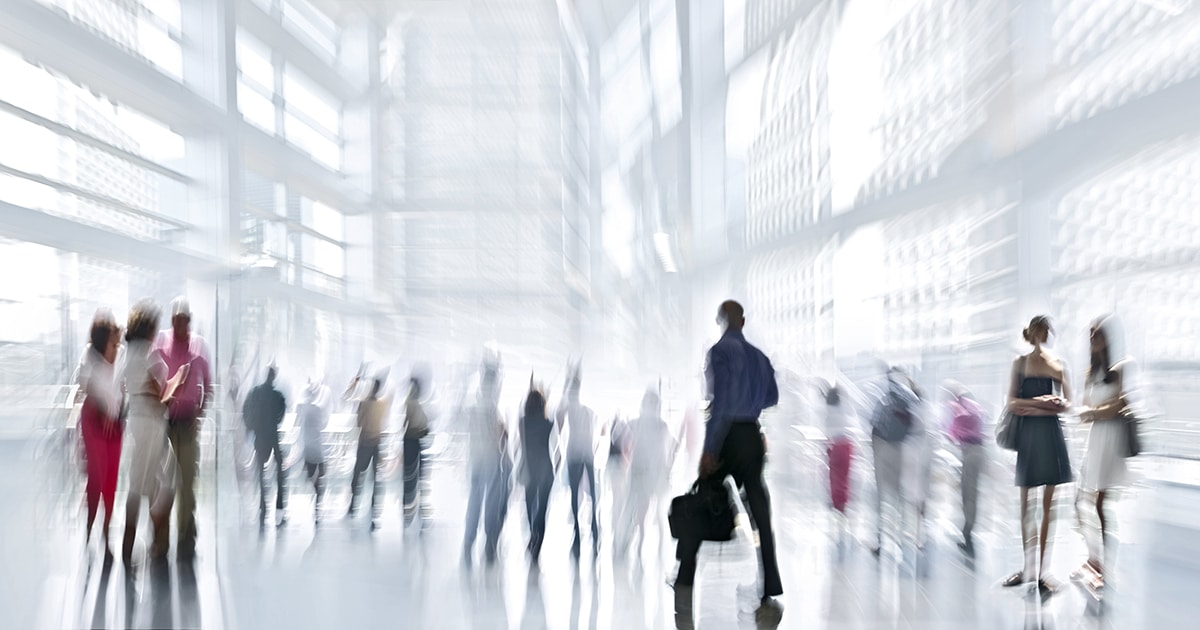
(145, 380)
(538, 469)
(101, 418)
(1038, 393)
(1104, 397)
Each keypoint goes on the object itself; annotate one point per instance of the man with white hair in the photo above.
(179, 347)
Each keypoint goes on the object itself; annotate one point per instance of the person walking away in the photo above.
(144, 374)
(416, 428)
(371, 417)
(581, 430)
(312, 414)
(1038, 393)
(741, 384)
(263, 412)
(840, 452)
(485, 432)
(891, 424)
(1106, 395)
(537, 467)
(180, 347)
(650, 451)
(966, 431)
(101, 420)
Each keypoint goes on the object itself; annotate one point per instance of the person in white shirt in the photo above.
(580, 424)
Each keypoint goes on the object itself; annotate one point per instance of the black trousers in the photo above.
(414, 479)
(576, 472)
(537, 499)
(368, 457)
(742, 457)
(264, 447)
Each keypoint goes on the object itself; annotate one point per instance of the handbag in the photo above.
(703, 513)
(1007, 426)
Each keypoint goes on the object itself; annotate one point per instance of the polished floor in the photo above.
(342, 575)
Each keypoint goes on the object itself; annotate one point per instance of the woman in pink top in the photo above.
(101, 421)
(966, 430)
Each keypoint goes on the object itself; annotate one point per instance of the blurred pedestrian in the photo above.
(1038, 393)
(312, 414)
(416, 429)
(580, 423)
(891, 424)
(144, 374)
(840, 449)
(537, 466)
(741, 384)
(101, 419)
(489, 492)
(371, 419)
(650, 450)
(923, 437)
(181, 347)
(263, 412)
(966, 431)
(1106, 395)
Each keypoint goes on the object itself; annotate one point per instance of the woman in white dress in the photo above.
(145, 377)
(1103, 467)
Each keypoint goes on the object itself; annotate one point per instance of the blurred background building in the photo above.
(333, 182)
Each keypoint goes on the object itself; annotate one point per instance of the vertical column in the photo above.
(1032, 109)
(369, 235)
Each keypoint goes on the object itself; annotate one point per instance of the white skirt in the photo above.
(1104, 462)
(148, 455)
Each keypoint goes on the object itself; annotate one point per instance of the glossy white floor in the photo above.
(342, 575)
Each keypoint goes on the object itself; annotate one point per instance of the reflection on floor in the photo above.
(340, 574)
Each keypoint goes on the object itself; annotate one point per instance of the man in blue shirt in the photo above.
(741, 383)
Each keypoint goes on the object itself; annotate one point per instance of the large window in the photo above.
(280, 99)
(147, 28)
(73, 152)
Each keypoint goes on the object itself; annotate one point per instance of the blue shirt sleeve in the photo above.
(717, 376)
(772, 386)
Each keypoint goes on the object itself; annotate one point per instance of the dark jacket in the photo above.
(263, 412)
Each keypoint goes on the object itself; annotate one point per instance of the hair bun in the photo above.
(1025, 334)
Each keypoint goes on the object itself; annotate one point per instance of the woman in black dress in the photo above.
(1037, 394)
(538, 467)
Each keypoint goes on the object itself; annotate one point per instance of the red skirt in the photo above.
(841, 453)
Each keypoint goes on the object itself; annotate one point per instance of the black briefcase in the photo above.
(704, 513)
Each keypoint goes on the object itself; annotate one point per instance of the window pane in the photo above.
(256, 108)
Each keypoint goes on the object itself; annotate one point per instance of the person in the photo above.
(101, 419)
(313, 416)
(840, 450)
(650, 451)
(416, 428)
(966, 431)
(1105, 397)
(371, 418)
(537, 466)
(581, 428)
(263, 412)
(741, 384)
(1038, 393)
(486, 435)
(144, 374)
(181, 347)
(918, 462)
(891, 424)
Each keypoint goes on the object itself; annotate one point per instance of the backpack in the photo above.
(893, 418)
